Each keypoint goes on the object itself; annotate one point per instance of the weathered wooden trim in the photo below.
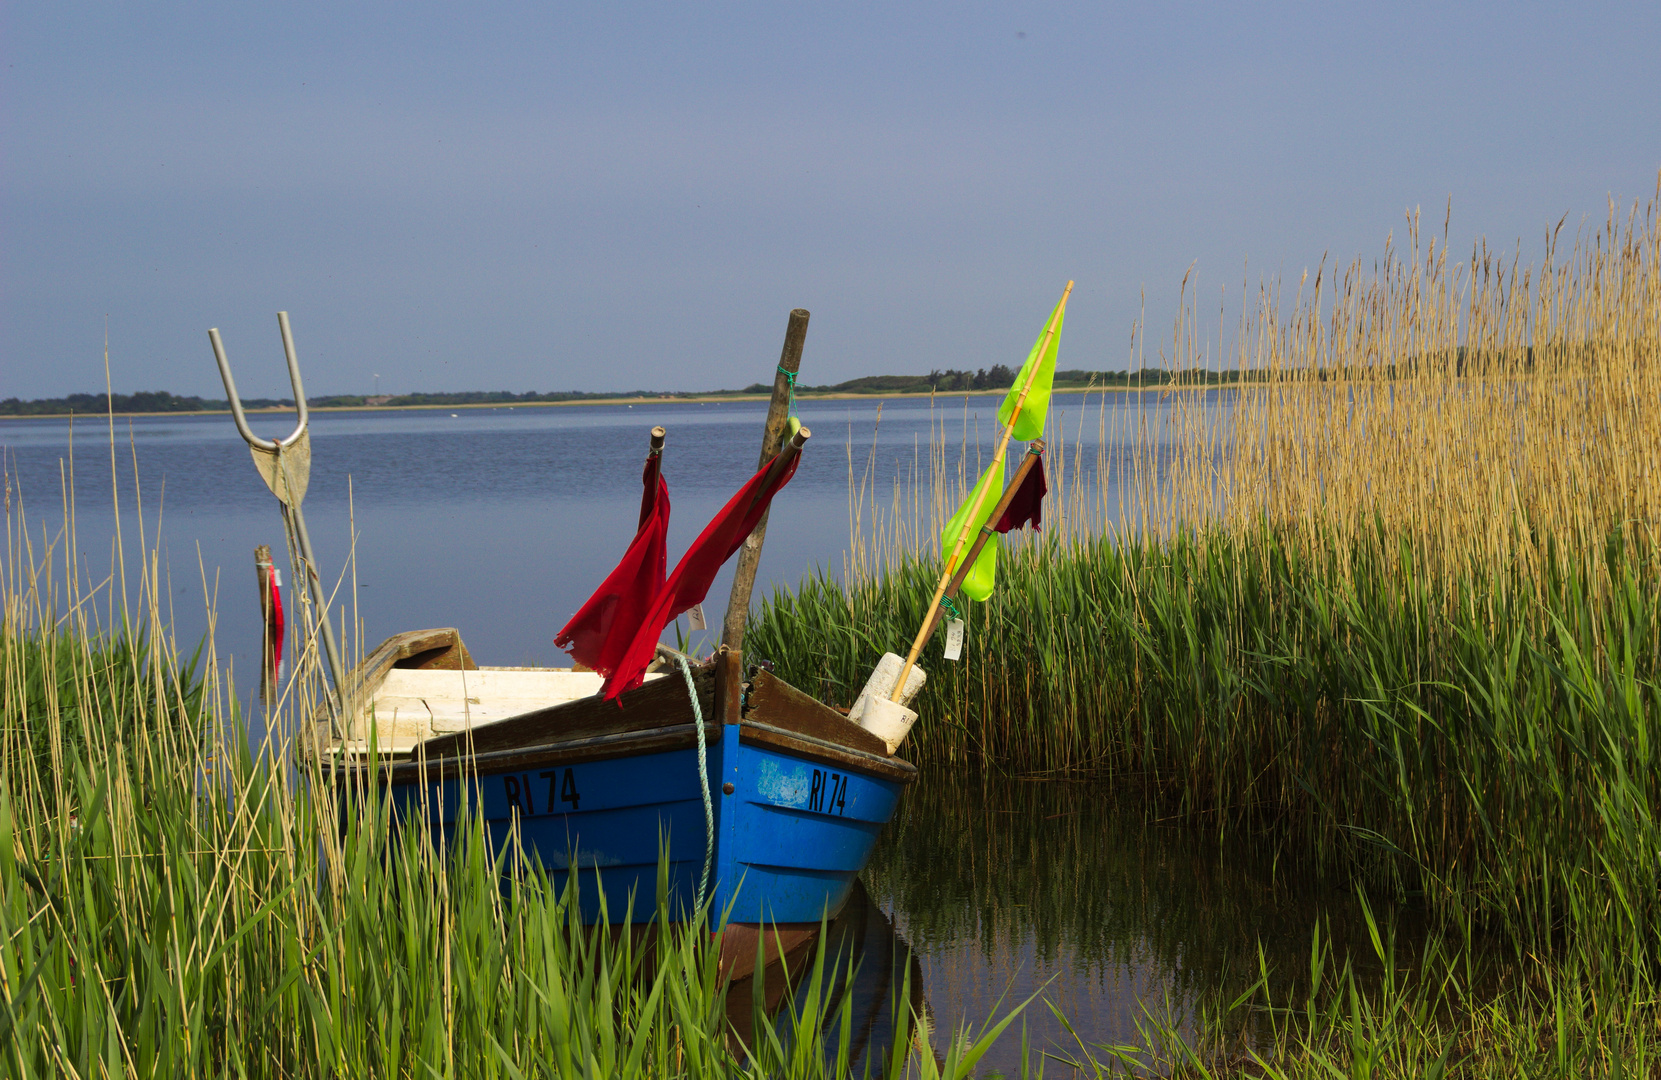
(880, 766)
(439, 648)
(659, 703)
(775, 702)
(729, 685)
(571, 752)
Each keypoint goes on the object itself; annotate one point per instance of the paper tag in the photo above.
(954, 639)
(695, 616)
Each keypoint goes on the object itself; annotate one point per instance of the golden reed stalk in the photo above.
(1483, 409)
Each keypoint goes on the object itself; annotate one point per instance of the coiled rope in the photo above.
(703, 779)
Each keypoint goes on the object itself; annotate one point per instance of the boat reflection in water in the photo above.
(1008, 886)
(886, 979)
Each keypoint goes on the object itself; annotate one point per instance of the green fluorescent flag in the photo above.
(978, 584)
(1041, 370)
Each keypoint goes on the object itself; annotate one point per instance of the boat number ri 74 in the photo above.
(828, 793)
(521, 791)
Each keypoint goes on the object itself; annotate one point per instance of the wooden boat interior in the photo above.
(419, 685)
(426, 701)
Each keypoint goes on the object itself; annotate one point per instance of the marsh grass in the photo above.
(1506, 773)
(1442, 1016)
(1494, 414)
(176, 901)
(1393, 600)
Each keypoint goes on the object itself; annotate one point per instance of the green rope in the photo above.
(790, 382)
(703, 780)
(951, 608)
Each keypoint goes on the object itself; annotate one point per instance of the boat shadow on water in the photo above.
(861, 964)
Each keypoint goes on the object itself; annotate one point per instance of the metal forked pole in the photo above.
(268, 445)
(318, 598)
(289, 495)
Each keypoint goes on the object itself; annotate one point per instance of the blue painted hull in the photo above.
(788, 840)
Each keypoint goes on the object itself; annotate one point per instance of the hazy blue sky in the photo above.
(470, 196)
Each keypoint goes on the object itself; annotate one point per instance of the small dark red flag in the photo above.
(598, 634)
(275, 620)
(1027, 504)
(696, 571)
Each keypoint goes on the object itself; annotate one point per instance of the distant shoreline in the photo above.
(625, 400)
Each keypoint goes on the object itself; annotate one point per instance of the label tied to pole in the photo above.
(954, 640)
(695, 617)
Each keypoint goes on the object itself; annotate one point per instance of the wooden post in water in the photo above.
(749, 556)
(262, 570)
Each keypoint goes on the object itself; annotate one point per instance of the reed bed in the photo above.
(1090, 877)
(177, 902)
(1439, 1017)
(1394, 596)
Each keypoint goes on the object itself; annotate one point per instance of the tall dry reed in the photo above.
(1479, 408)
(1393, 595)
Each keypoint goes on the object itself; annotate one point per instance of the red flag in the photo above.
(1027, 504)
(597, 634)
(696, 571)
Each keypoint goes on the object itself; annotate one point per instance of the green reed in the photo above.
(175, 902)
(1443, 1015)
(1089, 876)
(1486, 742)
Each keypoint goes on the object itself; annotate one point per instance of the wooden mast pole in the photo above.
(778, 411)
(980, 498)
(967, 563)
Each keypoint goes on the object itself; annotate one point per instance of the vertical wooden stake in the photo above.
(749, 556)
(262, 571)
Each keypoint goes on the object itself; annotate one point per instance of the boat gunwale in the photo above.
(798, 725)
(412, 767)
(863, 761)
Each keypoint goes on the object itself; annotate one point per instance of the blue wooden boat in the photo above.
(762, 794)
(798, 792)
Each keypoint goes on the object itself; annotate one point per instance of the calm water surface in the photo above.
(497, 521)
(501, 521)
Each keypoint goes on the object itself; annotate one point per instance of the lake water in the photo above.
(501, 521)
(497, 521)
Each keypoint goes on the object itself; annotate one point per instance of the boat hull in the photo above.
(797, 796)
(784, 845)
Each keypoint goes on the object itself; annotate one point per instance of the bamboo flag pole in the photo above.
(980, 497)
(987, 531)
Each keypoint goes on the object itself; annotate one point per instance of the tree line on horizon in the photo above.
(949, 380)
